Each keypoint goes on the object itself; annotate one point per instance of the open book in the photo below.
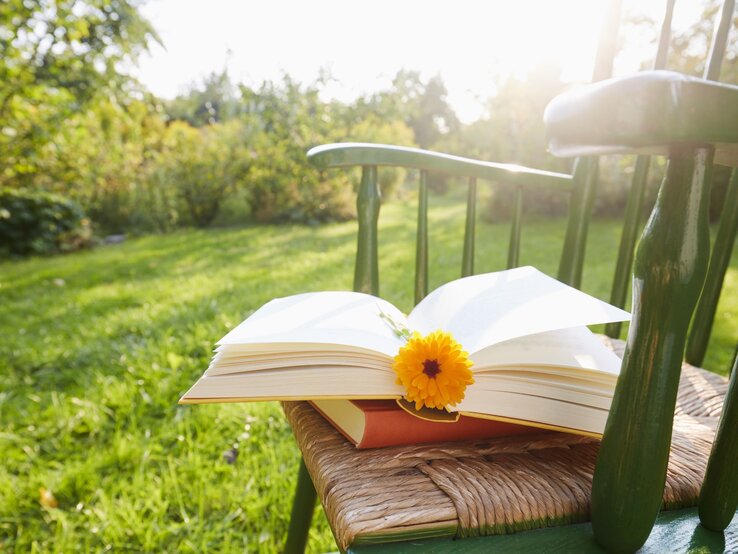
(534, 361)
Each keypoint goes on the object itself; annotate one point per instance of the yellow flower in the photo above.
(434, 370)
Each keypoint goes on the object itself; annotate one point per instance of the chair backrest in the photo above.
(705, 312)
(690, 120)
(580, 186)
(371, 156)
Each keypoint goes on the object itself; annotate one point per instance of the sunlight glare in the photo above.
(472, 45)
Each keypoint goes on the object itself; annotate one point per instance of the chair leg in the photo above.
(668, 274)
(302, 512)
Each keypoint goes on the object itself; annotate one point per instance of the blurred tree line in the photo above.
(74, 123)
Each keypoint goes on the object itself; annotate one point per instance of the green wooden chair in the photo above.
(693, 122)
(705, 313)
(651, 113)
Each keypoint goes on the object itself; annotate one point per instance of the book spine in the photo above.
(395, 428)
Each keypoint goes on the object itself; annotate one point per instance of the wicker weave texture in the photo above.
(487, 487)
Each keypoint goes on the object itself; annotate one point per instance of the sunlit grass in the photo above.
(98, 346)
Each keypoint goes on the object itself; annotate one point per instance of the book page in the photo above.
(574, 347)
(248, 364)
(333, 318)
(487, 309)
(300, 383)
(524, 408)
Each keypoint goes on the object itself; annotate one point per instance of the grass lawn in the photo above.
(98, 346)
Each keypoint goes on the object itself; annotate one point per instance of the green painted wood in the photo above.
(648, 113)
(354, 154)
(303, 507)
(675, 532)
(585, 172)
(608, 43)
(366, 270)
(719, 41)
(447, 531)
(669, 270)
(634, 207)
(631, 224)
(421, 242)
(513, 250)
(467, 260)
(662, 52)
(704, 315)
(719, 494)
(705, 312)
(575, 242)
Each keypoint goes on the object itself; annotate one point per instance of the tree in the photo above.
(421, 105)
(288, 119)
(214, 101)
(689, 49)
(55, 56)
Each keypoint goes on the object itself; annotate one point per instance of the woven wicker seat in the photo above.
(486, 487)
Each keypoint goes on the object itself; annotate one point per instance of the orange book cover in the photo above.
(379, 423)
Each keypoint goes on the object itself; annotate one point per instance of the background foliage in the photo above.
(73, 122)
(37, 222)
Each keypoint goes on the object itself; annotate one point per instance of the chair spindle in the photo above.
(513, 251)
(608, 43)
(704, 315)
(719, 494)
(366, 275)
(719, 41)
(421, 248)
(634, 207)
(586, 169)
(705, 312)
(585, 187)
(467, 261)
(631, 223)
(303, 507)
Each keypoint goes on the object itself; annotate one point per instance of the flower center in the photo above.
(431, 368)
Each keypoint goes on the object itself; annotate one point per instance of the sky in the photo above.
(362, 45)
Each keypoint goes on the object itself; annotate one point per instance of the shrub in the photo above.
(206, 165)
(36, 222)
(284, 187)
(286, 120)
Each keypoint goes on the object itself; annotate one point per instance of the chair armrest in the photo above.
(350, 154)
(651, 112)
